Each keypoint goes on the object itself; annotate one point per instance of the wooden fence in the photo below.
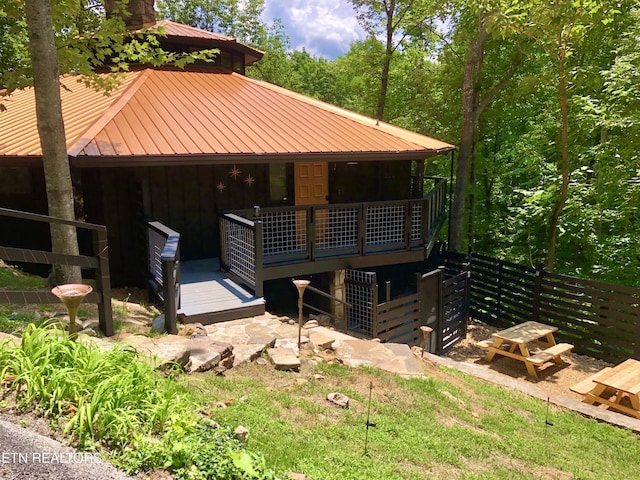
(98, 261)
(399, 320)
(602, 320)
(440, 302)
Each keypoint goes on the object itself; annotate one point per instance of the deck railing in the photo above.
(163, 261)
(315, 233)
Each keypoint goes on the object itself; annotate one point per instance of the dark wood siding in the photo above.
(369, 181)
(24, 189)
(112, 197)
(186, 199)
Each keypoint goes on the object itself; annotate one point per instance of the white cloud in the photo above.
(322, 27)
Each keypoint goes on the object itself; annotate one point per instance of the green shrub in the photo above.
(112, 399)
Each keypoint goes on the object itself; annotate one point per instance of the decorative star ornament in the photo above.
(249, 180)
(221, 186)
(235, 172)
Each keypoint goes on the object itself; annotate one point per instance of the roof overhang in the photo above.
(239, 159)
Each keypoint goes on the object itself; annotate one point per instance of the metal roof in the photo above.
(173, 117)
(195, 37)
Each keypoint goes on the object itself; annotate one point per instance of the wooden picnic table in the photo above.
(513, 343)
(612, 385)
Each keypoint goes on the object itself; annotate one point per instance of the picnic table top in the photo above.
(525, 332)
(625, 377)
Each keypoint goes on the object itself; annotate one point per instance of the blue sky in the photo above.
(323, 28)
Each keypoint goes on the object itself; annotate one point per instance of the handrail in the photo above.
(345, 306)
(164, 268)
(99, 261)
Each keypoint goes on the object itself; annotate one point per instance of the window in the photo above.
(278, 184)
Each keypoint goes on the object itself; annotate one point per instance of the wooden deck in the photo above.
(208, 296)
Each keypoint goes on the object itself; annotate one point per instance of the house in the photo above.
(272, 183)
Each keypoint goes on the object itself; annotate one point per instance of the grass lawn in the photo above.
(447, 426)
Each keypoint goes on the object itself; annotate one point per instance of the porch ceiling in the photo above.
(176, 117)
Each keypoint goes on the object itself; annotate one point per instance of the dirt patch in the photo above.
(552, 378)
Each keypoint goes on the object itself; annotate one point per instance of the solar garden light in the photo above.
(425, 334)
(72, 294)
(301, 285)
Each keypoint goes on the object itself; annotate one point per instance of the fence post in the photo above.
(537, 289)
(466, 267)
(499, 293)
(440, 311)
(103, 283)
(374, 308)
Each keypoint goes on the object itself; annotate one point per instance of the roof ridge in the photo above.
(356, 117)
(84, 139)
(166, 22)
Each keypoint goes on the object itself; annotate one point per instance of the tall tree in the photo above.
(393, 19)
(477, 94)
(558, 27)
(44, 60)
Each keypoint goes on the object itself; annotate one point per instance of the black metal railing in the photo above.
(261, 239)
(163, 262)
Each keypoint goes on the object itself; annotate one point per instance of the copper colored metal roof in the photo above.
(174, 29)
(81, 108)
(178, 32)
(175, 117)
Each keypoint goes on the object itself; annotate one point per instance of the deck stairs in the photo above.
(207, 296)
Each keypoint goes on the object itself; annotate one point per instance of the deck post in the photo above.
(362, 228)
(169, 292)
(408, 223)
(259, 259)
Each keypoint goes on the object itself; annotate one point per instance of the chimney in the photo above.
(136, 14)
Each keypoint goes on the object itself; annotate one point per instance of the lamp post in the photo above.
(301, 285)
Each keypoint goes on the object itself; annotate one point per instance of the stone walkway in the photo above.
(251, 336)
(229, 344)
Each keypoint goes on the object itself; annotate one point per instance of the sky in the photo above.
(324, 28)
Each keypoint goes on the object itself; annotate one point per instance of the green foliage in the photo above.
(87, 44)
(11, 278)
(113, 399)
(16, 321)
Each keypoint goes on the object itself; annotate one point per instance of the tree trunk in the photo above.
(57, 174)
(564, 165)
(386, 64)
(473, 61)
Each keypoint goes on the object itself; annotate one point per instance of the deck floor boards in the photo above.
(204, 289)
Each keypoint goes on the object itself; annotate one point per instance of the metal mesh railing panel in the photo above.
(416, 222)
(385, 224)
(360, 290)
(239, 253)
(336, 228)
(284, 232)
